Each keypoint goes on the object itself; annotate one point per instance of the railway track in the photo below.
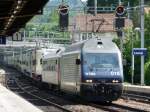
(136, 97)
(48, 103)
(33, 91)
(116, 107)
(27, 92)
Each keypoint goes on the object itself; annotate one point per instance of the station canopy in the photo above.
(14, 14)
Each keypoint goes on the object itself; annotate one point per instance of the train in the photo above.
(91, 69)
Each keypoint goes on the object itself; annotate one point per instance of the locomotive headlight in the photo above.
(115, 81)
(90, 81)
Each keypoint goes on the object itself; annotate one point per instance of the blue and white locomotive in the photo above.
(91, 69)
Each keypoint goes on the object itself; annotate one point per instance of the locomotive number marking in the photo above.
(115, 73)
(90, 73)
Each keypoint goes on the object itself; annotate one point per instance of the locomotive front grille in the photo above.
(102, 89)
(105, 91)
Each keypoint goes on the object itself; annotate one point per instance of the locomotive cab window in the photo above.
(78, 61)
(105, 60)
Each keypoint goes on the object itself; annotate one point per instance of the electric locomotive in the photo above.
(92, 69)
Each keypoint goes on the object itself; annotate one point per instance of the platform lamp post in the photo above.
(142, 41)
(132, 45)
(142, 57)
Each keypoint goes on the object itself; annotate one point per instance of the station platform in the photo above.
(137, 88)
(10, 102)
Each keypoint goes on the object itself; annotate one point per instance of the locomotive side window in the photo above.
(41, 61)
(78, 61)
(56, 61)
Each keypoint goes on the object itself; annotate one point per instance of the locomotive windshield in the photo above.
(101, 64)
(103, 60)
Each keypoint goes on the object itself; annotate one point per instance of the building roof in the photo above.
(100, 23)
(14, 14)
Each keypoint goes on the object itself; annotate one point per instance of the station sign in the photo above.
(139, 51)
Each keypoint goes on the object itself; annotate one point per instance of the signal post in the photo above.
(63, 17)
(120, 23)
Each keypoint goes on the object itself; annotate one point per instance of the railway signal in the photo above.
(120, 19)
(120, 11)
(120, 23)
(63, 17)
